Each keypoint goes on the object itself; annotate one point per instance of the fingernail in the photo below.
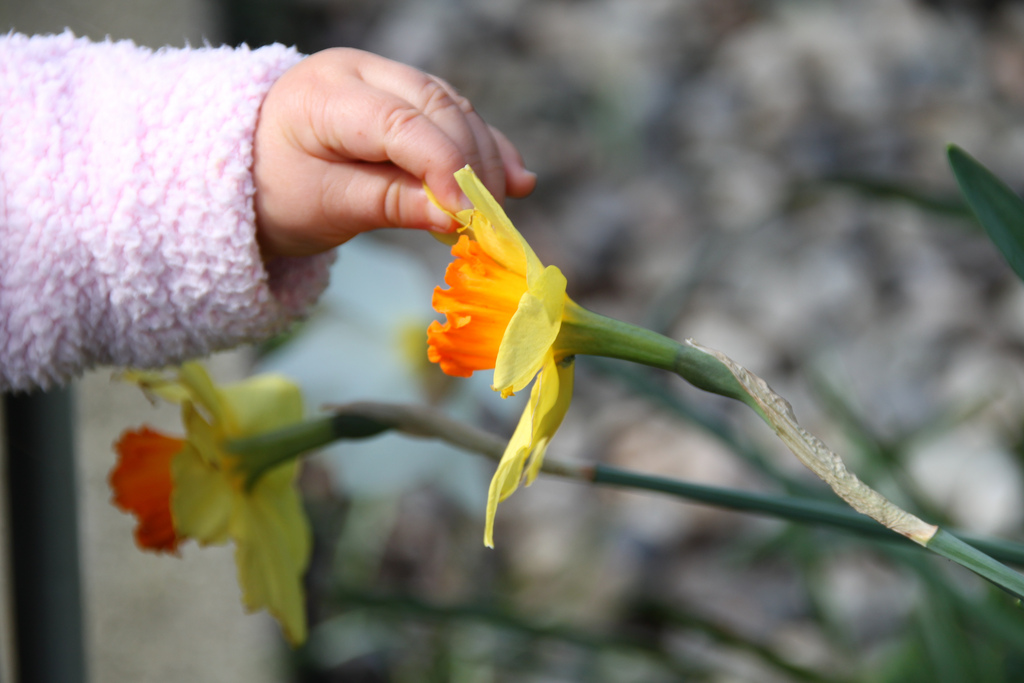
(439, 218)
(462, 201)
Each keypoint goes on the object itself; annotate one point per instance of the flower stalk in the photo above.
(586, 332)
(505, 310)
(264, 452)
(368, 419)
(589, 333)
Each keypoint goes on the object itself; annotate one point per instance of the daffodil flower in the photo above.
(381, 326)
(193, 488)
(504, 310)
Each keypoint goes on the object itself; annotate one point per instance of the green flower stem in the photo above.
(367, 419)
(263, 452)
(589, 333)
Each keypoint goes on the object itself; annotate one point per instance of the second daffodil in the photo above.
(504, 310)
(193, 488)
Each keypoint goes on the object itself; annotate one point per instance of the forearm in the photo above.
(126, 216)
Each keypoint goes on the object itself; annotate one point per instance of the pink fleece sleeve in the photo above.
(126, 216)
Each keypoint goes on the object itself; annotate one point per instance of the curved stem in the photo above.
(261, 453)
(366, 419)
(589, 333)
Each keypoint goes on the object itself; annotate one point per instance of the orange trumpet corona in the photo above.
(142, 485)
(481, 298)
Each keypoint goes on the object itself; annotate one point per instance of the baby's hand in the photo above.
(345, 141)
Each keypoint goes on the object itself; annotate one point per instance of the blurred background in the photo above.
(767, 177)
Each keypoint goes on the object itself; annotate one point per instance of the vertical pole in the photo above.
(42, 498)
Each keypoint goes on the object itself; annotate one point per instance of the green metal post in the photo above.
(44, 537)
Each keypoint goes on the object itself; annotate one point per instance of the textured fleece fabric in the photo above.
(126, 216)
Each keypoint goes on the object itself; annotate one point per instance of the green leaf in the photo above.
(999, 210)
(952, 548)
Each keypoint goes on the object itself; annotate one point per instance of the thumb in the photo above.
(363, 197)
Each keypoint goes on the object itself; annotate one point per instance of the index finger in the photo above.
(454, 116)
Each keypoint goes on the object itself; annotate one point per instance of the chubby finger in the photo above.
(519, 182)
(486, 159)
(450, 112)
(330, 109)
(395, 132)
(369, 196)
(431, 95)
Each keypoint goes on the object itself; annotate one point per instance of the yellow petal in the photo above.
(196, 380)
(497, 235)
(157, 384)
(503, 247)
(555, 382)
(530, 333)
(202, 498)
(448, 238)
(433, 200)
(203, 437)
(273, 543)
(263, 403)
(544, 412)
(510, 468)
